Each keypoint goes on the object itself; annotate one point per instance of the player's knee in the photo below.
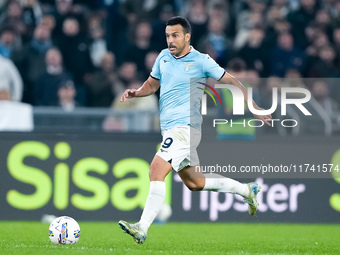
(156, 176)
(159, 169)
(194, 186)
(153, 176)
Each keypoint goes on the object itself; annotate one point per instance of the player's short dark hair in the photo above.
(178, 20)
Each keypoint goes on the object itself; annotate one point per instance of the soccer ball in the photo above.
(64, 230)
(164, 214)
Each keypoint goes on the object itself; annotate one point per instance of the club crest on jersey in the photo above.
(187, 66)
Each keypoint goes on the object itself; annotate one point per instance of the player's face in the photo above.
(176, 39)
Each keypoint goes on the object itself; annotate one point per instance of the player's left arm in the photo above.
(229, 79)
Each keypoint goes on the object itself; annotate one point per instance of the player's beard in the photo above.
(178, 50)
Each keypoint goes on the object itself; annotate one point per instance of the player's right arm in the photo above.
(150, 86)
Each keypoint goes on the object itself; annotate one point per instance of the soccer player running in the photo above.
(172, 72)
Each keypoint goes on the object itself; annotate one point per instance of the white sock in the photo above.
(153, 204)
(223, 184)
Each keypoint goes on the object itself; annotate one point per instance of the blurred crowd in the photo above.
(73, 53)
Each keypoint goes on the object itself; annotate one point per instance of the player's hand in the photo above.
(129, 93)
(264, 118)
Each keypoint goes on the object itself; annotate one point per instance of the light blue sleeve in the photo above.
(212, 69)
(155, 72)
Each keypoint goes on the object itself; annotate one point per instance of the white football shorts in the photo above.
(179, 147)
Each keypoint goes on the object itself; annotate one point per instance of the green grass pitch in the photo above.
(176, 238)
